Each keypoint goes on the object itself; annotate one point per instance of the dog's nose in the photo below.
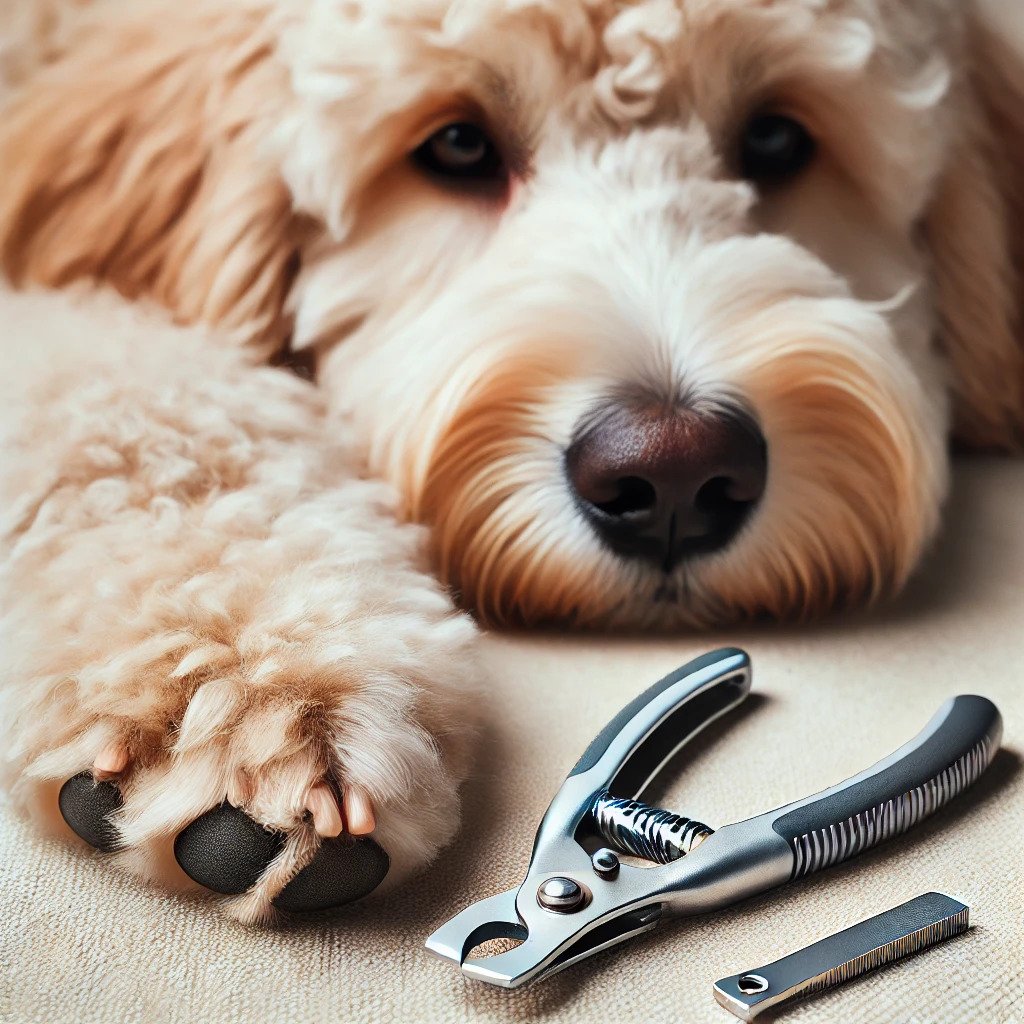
(664, 484)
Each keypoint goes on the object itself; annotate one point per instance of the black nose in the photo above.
(664, 484)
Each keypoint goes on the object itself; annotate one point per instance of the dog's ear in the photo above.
(135, 160)
(975, 229)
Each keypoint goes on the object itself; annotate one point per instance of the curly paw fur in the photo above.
(203, 601)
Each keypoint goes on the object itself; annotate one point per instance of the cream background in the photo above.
(80, 943)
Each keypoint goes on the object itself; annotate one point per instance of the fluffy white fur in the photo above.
(194, 567)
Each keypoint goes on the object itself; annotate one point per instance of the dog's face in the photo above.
(657, 311)
(632, 303)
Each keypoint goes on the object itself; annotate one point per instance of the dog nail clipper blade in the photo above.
(578, 898)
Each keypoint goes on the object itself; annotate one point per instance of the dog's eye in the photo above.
(774, 147)
(461, 152)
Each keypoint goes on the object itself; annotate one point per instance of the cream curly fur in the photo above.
(195, 567)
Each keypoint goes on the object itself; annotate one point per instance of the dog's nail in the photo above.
(342, 870)
(110, 761)
(226, 850)
(86, 805)
(321, 803)
(359, 811)
(239, 790)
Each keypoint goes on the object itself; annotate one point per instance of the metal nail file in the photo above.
(907, 929)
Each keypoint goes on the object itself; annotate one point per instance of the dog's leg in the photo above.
(204, 605)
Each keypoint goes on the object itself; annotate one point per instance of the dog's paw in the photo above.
(230, 852)
(278, 793)
(283, 748)
(218, 640)
(286, 833)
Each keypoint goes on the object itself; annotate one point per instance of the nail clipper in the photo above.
(579, 897)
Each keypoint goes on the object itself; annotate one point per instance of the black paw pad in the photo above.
(226, 850)
(343, 870)
(86, 806)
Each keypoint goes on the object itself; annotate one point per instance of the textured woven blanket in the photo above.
(81, 943)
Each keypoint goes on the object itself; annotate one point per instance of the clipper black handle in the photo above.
(631, 749)
(892, 796)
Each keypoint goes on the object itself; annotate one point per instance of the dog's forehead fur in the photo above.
(646, 56)
(370, 76)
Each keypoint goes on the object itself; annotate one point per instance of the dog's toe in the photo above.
(86, 805)
(110, 762)
(226, 851)
(343, 870)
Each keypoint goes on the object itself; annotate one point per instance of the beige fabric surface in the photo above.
(80, 943)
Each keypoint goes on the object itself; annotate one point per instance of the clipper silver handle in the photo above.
(883, 801)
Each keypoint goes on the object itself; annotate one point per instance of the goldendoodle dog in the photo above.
(650, 313)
